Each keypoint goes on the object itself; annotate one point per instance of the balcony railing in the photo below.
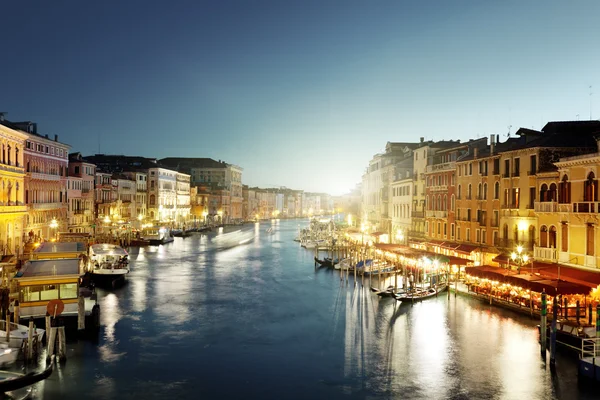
(516, 173)
(12, 168)
(545, 206)
(494, 224)
(587, 207)
(438, 188)
(436, 214)
(482, 221)
(564, 207)
(47, 206)
(506, 175)
(545, 253)
(44, 176)
(13, 209)
(441, 167)
(417, 214)
(510, 206)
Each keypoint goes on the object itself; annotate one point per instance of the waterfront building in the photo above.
(46, 165)
(473, 195)
(199, 204)
(217, 174)
(401, 208)
(125, 208)
(80, 194)
(104, 197)
(13, 211)
(182, 204)
(568, 210)
(163, 195)
(140, 177)
(522, 158)
(311, 204)
(423, 156)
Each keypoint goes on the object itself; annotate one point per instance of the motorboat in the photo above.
(18, 334)
(157, 236)
(419, 294)
(232, 239)
(8, 355)
(108, 261)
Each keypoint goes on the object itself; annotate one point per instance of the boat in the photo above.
(327, 262)
(11, 381)
(18, 334)
(390, 291)
(108, 261)
(157, 236)
(232, 239)
(419, 294)
(570, 334)
(180, 233)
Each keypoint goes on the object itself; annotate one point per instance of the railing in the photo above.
(496, 172)
(482, 222)
(47, 206)
(545, 253)
(12, 168)
(44, 176)
(506, 175)
(13, 209)
(438, 188)
(516, 173)
(484, 173)
(417, 214)
(589, 207)
(509, 206)
(442, 167)
(545, 206)
(77, 212)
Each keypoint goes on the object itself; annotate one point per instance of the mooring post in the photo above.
(577, 311)
(17, 317)
(553, 333)
(81, 314)
(543, 324)
(62, 343)
(30, 340)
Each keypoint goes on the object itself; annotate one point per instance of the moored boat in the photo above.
(327, 262)
(157, 236)
(108, 262)
(12, 381)
(419, 294)
(18, 334)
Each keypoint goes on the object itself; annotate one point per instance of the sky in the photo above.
(300, 94)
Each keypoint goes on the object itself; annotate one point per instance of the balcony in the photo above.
(506, 175)
(12, 168)
(564, 207)
(13, 209)
(545, 253)
(516, 174)
(438, 188)
(545, 206)
(586, 207)
(442, 167)
(45, 177)
(47, 206)
(482, 222)
(436, 214)
(510, 206)
(417, 214)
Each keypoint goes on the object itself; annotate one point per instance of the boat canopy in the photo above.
(108, 249)
(50, 268)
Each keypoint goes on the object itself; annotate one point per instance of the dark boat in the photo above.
(389, 292)
(180, 233)
(326, 262)
(569, 334)
(420, 294)
(10, 381)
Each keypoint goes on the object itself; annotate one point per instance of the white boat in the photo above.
(8, 355)
(18, 333)
(108, 260)
(157, 236)
(232, 239)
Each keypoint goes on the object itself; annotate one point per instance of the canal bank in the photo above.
(256, 321)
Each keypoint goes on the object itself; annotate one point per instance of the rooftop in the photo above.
(41, 268)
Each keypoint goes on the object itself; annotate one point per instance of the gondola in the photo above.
(326, 262)
(10, 381)
(389, 292)
(420, 294)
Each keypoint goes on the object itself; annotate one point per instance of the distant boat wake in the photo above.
(232, 239)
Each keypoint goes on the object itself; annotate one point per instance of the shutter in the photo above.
(565, 237)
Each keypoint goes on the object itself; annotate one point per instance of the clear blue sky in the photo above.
(299, 93)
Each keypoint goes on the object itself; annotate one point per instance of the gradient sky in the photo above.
(299, 93)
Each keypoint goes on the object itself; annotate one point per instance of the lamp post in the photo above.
(204, 214)
(53, 226)
(520, 258)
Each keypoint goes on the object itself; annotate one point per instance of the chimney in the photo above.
(475, 151)
(56, 138)
(492, 144)
(422, 139)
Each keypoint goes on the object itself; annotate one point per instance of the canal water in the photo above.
(258, 321)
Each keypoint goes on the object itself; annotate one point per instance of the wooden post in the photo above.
(7, 327)
(51, 341)
(543, 325)
(62, 343)
(81, 314)
(566, 309)
(17, 317)
(48, 325)
(577, 311)
(553, 333)
(30, 340)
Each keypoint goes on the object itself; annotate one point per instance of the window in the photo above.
(517, 171)
(532, 165)
(485, 191)
(452, 230)
(506, 168)
(483, 238)
(458, 233)
(468, 234)
(497, 166)
(497, 190)
(477, 236)
(470, 168)
(445, 229)
(589, 231)
(48, 292)
(565, 237)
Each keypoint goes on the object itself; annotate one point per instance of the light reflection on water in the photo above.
(259, 321)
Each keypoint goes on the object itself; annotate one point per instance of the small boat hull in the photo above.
(420, 295)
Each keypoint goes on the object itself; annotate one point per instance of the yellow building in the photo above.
(12, 175)
(578, 207)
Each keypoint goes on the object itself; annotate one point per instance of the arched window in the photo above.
(564, 240)
(543, 236)
(505, 234)
(445, 203)
(564, 190)
(552, 192)
(469, 192)
(497, 190)
(479, 194)
(439, 203)
(485, 191)
(452, 203)
(590, 188)
(544, 192)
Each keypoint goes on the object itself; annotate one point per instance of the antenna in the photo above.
(590, 87)
(508, 134)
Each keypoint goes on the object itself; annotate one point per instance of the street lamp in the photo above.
(54, 225)
(520, 258)
(400, 235)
